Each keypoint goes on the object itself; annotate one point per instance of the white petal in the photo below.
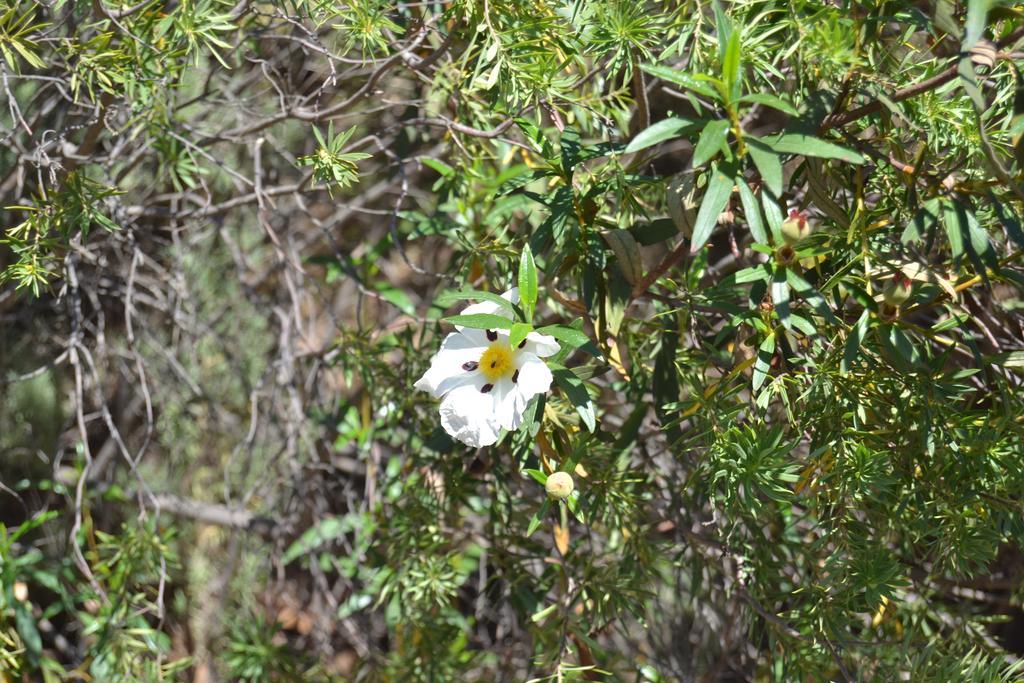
(509, 404)
(541, 345)
(446, 371)
(468, 415)
(534, 375)
(492, 308)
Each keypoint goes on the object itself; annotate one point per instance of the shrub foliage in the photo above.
(778, 241)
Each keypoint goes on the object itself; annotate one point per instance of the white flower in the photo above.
(486, 383)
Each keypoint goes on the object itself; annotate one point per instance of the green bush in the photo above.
(750, 407)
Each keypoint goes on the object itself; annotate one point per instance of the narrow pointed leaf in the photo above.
(714, 202)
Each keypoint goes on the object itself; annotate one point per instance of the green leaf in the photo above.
(26, 625)
(537, 475)
(518, 333)
(627, 253)
(977, 239)
(974, 27)
(680, 78)
(811, 295)
(527, 283)
(772, 101)
(714, 202)
(445, 299)
(773, 213)
(654, 232)
(712, 140)
(853, 342)
(752, 211)
(538, 517)
(767, 163)
(577, 394)
(723, 27)
(763, 364)
(323, 532)
(1008, 219)
(444, 169)
(780, 297)
(572, 337)
(399, 299)
(955, 228)
(480, 321)
(810, 146)
(666, 129)
(944, 17)
(732, 65)
(758, 273)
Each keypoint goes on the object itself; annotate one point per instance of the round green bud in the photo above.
(796, 227)
(559, 485)
(898, 290)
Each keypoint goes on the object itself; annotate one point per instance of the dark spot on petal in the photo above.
(470, 366)
(485, 388)
(522, 343)
(515, 377)
(492, 335)
(493, 363)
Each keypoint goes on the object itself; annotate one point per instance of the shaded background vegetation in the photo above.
(226, 227)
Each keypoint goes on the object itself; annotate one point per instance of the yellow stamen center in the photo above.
(496, 362)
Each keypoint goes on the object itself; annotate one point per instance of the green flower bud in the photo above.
(559, 485)
(898, 290)
(796, 227)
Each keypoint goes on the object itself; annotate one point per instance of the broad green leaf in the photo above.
(480, 321)
(810, 146)
(714, 202)
(712, 140)
(767, 162)
(666, 129)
